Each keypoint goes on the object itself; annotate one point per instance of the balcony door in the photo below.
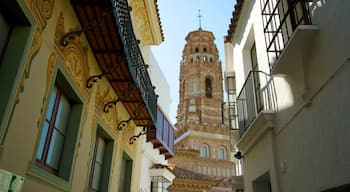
(256, 80)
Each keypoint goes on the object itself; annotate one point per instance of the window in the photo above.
(208, 88)
(197, 49)
(54, 131)
(125, 174)
(205, 49)
(204, 151)
(192, 108)
(195, 85)
(222, 153)
(14, 38)
(199, 169)
(56, 146)
(159, 184)
(255, 69)
(101, 162)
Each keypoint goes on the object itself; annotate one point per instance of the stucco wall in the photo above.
(42, 59)
(311, 125)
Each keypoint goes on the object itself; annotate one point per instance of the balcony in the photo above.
(163, 136)
(230, 86)
(108, 29)
(288, 33)
(257, 97)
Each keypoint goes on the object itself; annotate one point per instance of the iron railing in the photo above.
(134, 58)
(280, 19)
(232, 105)
(254, 98)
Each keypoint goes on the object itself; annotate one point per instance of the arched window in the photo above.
(205, 49)
(208, 88)
(197, 49)
(222, 153)
(204, 151)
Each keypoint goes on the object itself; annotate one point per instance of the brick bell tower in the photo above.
(201, 90)
(203, 158)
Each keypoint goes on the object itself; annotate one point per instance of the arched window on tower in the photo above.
(197, 49)
(204, 151)
(205, 49)
(222, 153)
(208, 87)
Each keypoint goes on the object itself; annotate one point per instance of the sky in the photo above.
(178, 18)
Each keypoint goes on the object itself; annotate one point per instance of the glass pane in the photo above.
(100, 150)
(55, 149)
(51, 103)
(221, 154)
(43, 136)
(62, 114)
(96, 176)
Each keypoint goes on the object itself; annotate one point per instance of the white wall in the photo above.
(150, 155)
(158, 80)
(311, 131)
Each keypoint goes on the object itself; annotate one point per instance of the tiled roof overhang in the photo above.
(107, 27)
(234, 20)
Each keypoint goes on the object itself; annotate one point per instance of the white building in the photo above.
(155, 172)
(155, 175)
(291, 64)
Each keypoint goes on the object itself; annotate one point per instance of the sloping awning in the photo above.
(108, 29)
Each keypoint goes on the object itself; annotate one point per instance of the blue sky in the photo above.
(179, 17)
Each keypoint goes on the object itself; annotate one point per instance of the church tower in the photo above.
(203, 159)
(201, 91)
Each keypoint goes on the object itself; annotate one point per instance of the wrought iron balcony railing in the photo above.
(257, 95)
(280, 19)
(107, 25)
(135, 62)
(230, 84)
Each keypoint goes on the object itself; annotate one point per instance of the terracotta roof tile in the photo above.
(160, 23)
(234, 20)
(186, 174)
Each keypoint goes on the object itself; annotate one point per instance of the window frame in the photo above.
(12, 67)
(208, 87)
(64, 177)
(256, 78)
(48, 140)
(125, 173)
(223, 149)
(106, 162)
(206, 153)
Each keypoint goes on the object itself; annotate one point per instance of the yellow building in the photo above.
(76, 95)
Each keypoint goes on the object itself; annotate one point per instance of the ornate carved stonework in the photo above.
(59, 32)
(104, 94)
(140, 22)
(34, 49)
(49, 76)
(42, 10)
(74, 57)
(126, 134)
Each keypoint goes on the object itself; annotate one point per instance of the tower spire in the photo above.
(199, 18)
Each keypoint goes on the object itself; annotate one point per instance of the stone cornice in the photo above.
(146, 22)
